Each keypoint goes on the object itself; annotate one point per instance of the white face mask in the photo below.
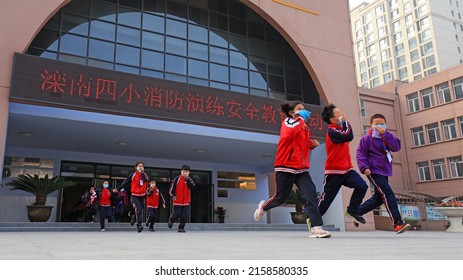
(105, 186)
(140, 169)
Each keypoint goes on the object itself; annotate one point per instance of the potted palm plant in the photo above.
(296, 198)
(221, 213)
(41, 188)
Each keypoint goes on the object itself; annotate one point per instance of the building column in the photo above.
(4, 93)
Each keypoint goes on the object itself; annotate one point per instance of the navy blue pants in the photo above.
(106, 212)
(137, 203)
(181, 212)
(333, 183)
(285, 182)
(383, 194)
(151, 216)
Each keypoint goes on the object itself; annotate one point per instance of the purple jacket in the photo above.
(371, 153)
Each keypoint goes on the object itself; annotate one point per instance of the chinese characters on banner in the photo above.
(63, 84)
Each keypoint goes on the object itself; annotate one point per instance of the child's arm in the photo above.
(341, 135)
(392, 142)
(362, 155)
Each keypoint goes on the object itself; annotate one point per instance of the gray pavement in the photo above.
(230, 245)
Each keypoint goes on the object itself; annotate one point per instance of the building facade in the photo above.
(405, 40)
(90, 87)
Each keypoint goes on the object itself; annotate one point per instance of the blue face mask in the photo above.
(304, 114)
(340, 121)
(382, 126)
(105, 186)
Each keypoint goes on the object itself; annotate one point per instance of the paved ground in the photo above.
(230, 245)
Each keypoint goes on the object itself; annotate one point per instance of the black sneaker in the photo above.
(357, 218)
(170, 224)
(181, 230)
(139, 228)
(147, 223)
(151, 229)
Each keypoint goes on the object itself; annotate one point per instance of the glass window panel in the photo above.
(127, 69)
(218, 55)
(293, 86)
(196, 50)
(256, 30)
(238, 76)
(156, 7)
(103, 30)
(152, 60)
(197, 33)
(72, 44)
(127, 55)
(103, 11)
(259, 92)
(41, 53)
(238, 26)
(77, 7)
(458, 88)
(198, 69)
(456, 167)
(218, 38)
(154, 74)
(418, 136)
(175, 46)
(276, 83)
(218, 21)
(439, 169)
(176, 28)
(175, 64)
(46, 39)
(239, 89)
(101, 50)
(449, 129)
(257, 63)
(198, 16)
(129, 17)
(238, 59)
(101, 64)
(176, 78)
(75, 24)
(275, 51)
(153, 41)
(153, 23)
(427, 98)
(219, 85)
(238, 43)
(129, 36)
(257, 80)
(72, 58)
(177, 9)
(136, 4)
(218, 73)
(257, 47)
(424, 172)
(275, 67)
(443, 93)
(433, 132)
(199, 82)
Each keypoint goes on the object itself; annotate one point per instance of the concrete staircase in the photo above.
(56, 227)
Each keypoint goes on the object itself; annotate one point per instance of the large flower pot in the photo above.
(39, 213)
(455, 215)
(299, 217)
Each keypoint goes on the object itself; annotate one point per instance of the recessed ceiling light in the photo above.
(122, 143)
(199, 150)
(267, 156)
(25, 134)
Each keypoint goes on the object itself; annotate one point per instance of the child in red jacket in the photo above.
(152, 203)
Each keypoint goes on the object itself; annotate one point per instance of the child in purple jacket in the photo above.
(374, 159)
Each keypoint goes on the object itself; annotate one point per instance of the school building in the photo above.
(89, 87)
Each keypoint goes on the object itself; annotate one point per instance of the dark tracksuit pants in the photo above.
(137, 203)
(333, 183)
(285, 182)
(181, 212)
(383, 194)
(151, 216)
(106, 212)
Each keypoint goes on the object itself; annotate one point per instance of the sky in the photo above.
(354, 3)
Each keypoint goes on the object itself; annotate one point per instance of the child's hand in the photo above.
(367, 172)
(314, 144)
(163, 205)
(380, 129)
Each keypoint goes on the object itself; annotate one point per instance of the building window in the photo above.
(443, 93)
(383, 44)
(374, 72)
(236, 180)
(386, 66)
(380, 21)
(422, 24)
(363, 110)
(427, 98)
(460, 120)
(414, 55)
(398, 37)
(427, 49)
(424, 174)
(411, 32)
(458, 88)
(439, 169)
(363, 66)
(395, 14)
(407, 7)
(421, 11)
(374, 82)
(450, 131)
(425, 36)
(387, 77)
(368, 28)
(370, 38)
(433, 132)
(363, 77)
(365, 129)
(358, 25)
(403, 73)
(416, 68)
(372, 61)
(399, 49)
(367, 17)
(385, 55)
(379, 10)
(418, 136)
(382, 32)
(413, 103)
(401, 61)
(409, 19)
(456, 167)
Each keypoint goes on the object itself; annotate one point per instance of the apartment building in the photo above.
(405, 40)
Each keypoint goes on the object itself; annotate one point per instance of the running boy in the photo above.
(374, 159)
(152, 203)
(338, 167)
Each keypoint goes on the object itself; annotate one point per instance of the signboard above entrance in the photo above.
(55, 83)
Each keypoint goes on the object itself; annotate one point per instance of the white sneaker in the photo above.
(309, 224)
(259, 213)
(319, 232)
(103, 229)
